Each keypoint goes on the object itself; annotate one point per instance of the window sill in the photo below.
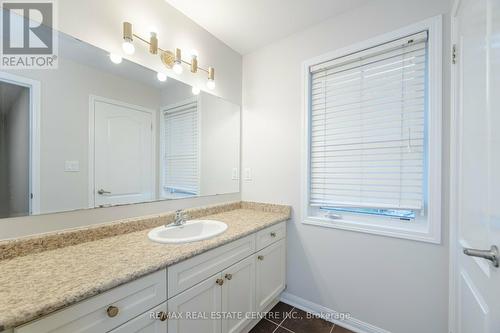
(419, 232)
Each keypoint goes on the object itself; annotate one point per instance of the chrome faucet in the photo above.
(180, 218)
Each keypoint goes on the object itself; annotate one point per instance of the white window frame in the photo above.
(426, 230)
(163, 109)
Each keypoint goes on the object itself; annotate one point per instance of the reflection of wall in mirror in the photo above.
(65, 130)
(220, 145)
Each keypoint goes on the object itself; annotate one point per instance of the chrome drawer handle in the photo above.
(112, 311)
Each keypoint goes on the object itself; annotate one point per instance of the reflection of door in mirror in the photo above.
(123, 153)
(14, 150)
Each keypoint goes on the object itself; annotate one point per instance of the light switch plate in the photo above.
(248, 174)
(235, 175)
(72, 166)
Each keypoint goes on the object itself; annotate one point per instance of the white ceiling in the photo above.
(246, 25)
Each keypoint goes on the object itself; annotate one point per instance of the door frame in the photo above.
(455, 154)
(34, 88)
(91, 144)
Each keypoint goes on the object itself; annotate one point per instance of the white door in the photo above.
(270, 273)
(238, 294)
(152, 321)
(476, 164)
(187, 310)
(123, 154)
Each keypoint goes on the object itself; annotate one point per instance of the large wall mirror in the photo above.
(93, 133)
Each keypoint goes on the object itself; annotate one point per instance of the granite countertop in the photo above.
(33, 285)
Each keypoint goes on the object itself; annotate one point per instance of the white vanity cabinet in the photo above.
(218, 291)
(105, 311)
(249, 275)
(270, 272)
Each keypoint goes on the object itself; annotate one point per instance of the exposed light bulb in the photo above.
(115, 58)
(162, 77)
(177, 68)
(211, 84)
(128, 47)
(196, 90)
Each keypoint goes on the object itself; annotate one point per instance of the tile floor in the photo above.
(284, 318)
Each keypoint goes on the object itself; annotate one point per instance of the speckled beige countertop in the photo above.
(33, 285)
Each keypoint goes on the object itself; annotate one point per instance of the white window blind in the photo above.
(368, 127)
(180, 171)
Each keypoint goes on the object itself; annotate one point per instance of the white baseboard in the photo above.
(351, 323)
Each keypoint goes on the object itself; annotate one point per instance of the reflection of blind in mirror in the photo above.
(180, 172)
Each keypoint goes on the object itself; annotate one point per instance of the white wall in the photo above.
(398, 285)
(100, 23)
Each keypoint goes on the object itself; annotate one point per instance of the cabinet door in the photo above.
(151, 321)
(238, 294)
(191, 310)
(270, 273)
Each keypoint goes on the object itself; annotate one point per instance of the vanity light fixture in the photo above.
(128, 38)
(115, 58)
(172, 60)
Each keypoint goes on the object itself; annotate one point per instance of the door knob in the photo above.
(101, 192)
(491, 254)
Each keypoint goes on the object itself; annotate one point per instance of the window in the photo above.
(372, 119)
(180, 174)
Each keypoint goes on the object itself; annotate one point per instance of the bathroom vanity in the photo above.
(127, 283)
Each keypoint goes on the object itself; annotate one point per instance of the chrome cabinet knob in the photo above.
(260, 257)
(220, 282)
(228, 276)
(491, 254)
(112, 311)
(273, 234)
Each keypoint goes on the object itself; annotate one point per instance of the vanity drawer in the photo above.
(186, 274)
(270, 235)
(95, 314)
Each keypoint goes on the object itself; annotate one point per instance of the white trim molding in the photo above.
(427, 228)
(35, 100)
(350, 323)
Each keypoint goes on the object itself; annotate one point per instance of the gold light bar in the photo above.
(168, 58)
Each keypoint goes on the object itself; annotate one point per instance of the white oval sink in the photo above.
(191, 231)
